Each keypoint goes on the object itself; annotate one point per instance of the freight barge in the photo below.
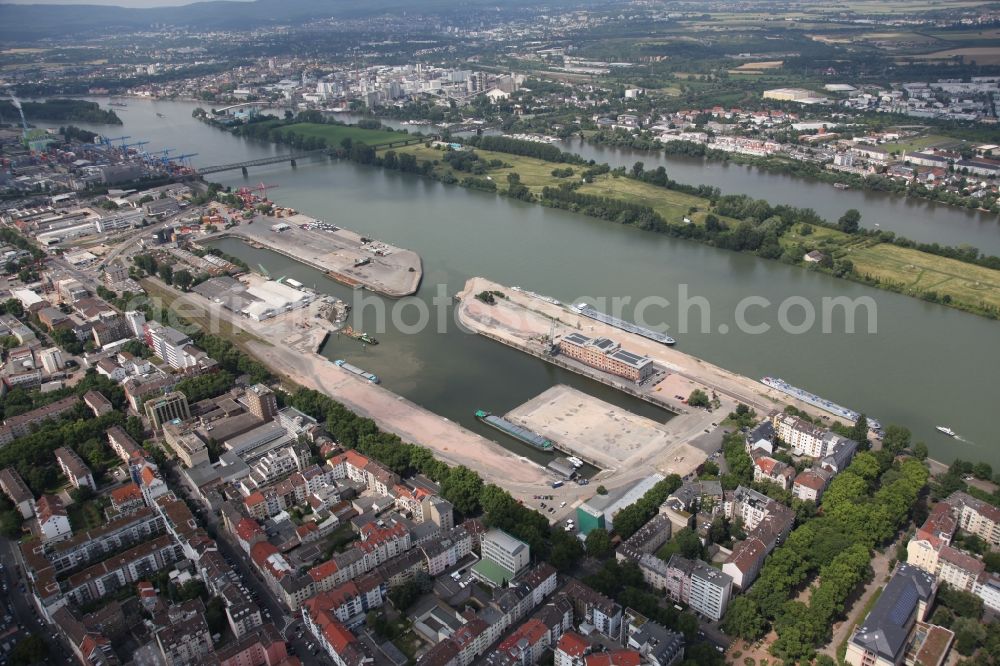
(816, 401)
(353, 369)
(515, 431)
(587, 311)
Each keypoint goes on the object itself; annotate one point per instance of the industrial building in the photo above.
(259, 300)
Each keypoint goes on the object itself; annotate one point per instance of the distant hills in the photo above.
(27, 23)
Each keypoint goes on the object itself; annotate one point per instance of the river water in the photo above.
(927, 365)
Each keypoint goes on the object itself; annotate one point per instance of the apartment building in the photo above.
(806, 439)
(169, 407)
(977, 517)
(17, 491)
(702, 587)
(810, 484)
(592, 607)
(263, 646)
(186, 639)
(21, 425)
(766, 468)
(766, 522)
(127, 568)
(53, 521)
(74, 469)
(656, 645)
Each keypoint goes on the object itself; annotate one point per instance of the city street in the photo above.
(23, 608)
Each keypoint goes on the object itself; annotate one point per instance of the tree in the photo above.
(698, 398)
(920, 451)
(462, 488)
(598, 543)
(969, 635)
(744, 619)
(82, 494)
(10, 524)
(688, 543)
(601, 490)
(850, 222)
(30, 650)
(183, 279)
(895, 439)
(982, 470)
(166, 273)
(859, 433)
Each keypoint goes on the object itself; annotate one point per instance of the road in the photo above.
(23, 608)
(880, 566)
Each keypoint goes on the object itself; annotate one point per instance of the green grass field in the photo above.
(919, 273)
(334, 134)
(536, 174)
(920, 143)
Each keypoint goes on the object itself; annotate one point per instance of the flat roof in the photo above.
(492, 572)
(631, 358)
(505, 541)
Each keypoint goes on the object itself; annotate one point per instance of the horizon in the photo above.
(124, 4)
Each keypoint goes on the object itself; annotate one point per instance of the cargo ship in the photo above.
(353, 369)
(587, 311)
(515, 431)
(816, 401)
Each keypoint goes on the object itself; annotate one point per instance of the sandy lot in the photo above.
(605, 435)
(396, 274)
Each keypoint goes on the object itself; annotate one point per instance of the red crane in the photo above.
(262, 188)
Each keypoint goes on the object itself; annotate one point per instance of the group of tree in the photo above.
(634, 516)
(63, 109)
(208, 385)
(535, 149)
(865, 506)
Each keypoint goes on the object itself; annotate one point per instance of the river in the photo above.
(927, 365)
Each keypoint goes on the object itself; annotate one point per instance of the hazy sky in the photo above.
(117, 3)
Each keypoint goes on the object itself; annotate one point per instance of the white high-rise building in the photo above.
(136, 322)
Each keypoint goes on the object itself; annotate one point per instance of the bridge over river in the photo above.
(292, 158)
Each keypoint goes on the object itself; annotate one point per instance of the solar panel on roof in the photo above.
(905, 603)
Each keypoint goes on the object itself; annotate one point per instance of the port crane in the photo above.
(107, 142)
(262, 188)
(182, 158)
(137, 144)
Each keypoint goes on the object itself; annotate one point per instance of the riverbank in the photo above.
(782, 164)
(287, 345)
(343, 255)
(794, 236)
